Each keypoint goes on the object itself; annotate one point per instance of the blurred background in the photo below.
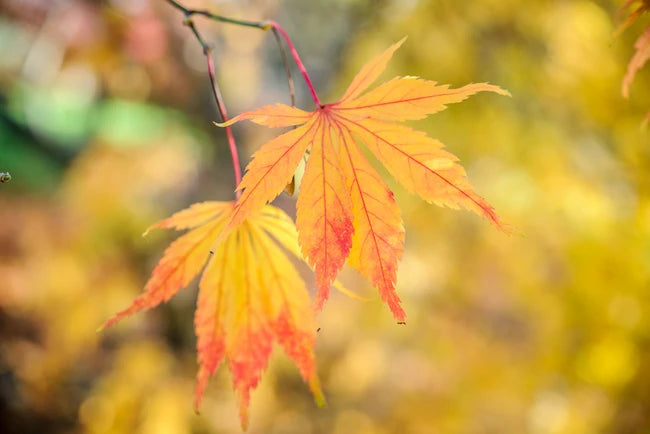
(106, 126)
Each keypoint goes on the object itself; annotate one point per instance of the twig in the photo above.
(263, 25)
(287, 69)
(189, 12)
(296, 58)
(224, 118)
(207, 51)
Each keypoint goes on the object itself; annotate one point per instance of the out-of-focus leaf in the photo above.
(250, 295)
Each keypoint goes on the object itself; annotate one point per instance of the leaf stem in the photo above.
(216, 92)
(296, 58)
(224, 118)
(287, 69)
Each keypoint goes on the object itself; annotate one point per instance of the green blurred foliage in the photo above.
(105, 126)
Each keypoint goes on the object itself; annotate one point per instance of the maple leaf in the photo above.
(250, 294)
(344, 208)
(641, 46)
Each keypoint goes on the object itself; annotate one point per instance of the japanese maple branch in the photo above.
(274, 25)
(224, 116)
(189, 12)
(287, 69)
(263, 25)
(216, 92)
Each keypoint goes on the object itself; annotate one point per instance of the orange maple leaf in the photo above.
(641, 46)
(250, 294)
(344, 209)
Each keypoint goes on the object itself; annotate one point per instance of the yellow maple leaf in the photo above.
(250, 294)
(344, 208)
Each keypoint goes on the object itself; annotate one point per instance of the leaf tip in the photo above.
(106, 325)
(109, 323)
(320, 400)
(201, 381)
(227, 123)
(396, 308)
(321, 297)
(319, 397)
(243, 417)
(507, 228)
(115, 319)
(162, 224)
(498, 90)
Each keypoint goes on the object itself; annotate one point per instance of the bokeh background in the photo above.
(106, 126)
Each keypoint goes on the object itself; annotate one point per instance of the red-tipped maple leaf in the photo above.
(250, 294)
(344, 208)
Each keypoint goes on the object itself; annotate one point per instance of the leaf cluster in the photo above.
(250, 294)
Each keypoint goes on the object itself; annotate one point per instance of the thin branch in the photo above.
(224, 118)
(189, 12)
(207, 51)
(296, 58)
(287, 69)
(179, 6)
(290, 188)
(189, 23)
(265, 25)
